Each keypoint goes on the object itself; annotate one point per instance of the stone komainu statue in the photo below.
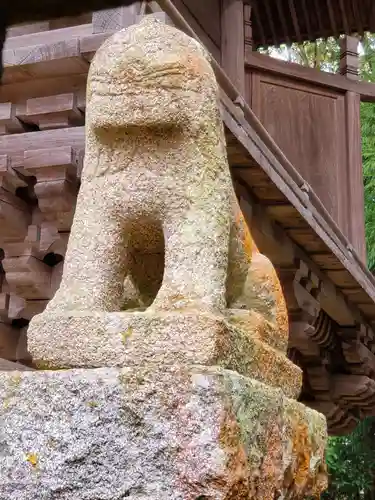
(155, 175)
(196, 396)
(156, 206)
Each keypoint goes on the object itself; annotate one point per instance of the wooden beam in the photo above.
(333, 81)
(48, 37)
(248, 29)
(57, 111)
(332, 18)
(110, 20)
(319, 17)
(233, 42)
(349, 57)
(357, 17)
(45, 60)
(307, 20)
(270, 21)
(355, 174)
(16, 144)
(344, 16)
(258, 20)
(283, 21)
(292, 9)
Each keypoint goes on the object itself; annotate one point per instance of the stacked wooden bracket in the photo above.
(42, 112)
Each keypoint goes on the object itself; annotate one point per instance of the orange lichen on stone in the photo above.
(270, 470)
(247, 240)
(237, 480)
(301, 449)
(300, 477)
(264, 290)
(267, 282)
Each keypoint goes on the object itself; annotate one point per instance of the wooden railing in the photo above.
(315, 118)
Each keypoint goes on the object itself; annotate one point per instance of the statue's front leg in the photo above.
(95, 262)
(196, 258)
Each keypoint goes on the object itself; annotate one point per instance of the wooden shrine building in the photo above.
(294, 147)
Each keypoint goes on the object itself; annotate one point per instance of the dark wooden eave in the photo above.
(285, 21)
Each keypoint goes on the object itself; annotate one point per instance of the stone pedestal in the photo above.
(165, 432)
(135, 339)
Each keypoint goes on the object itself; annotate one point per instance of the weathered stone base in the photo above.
(175, 432)
(138, 338)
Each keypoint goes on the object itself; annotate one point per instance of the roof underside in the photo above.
(284, 21)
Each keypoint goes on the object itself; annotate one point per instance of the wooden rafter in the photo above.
(344, 16)
(302, 20)
(270, 21)
(371, 9)
(257, 18)
(307, 20)
(332, 18)
(318, 11)
(293, 12)
(283, 20)
(357, 17)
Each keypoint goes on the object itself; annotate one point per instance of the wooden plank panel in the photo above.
(253, 136)
(313, 150)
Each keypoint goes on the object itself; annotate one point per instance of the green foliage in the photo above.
(368, 159)
(368, 148)
(351, 461)
(321, 54)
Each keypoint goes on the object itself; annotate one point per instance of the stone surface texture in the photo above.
(164, 350)
(174, 433)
